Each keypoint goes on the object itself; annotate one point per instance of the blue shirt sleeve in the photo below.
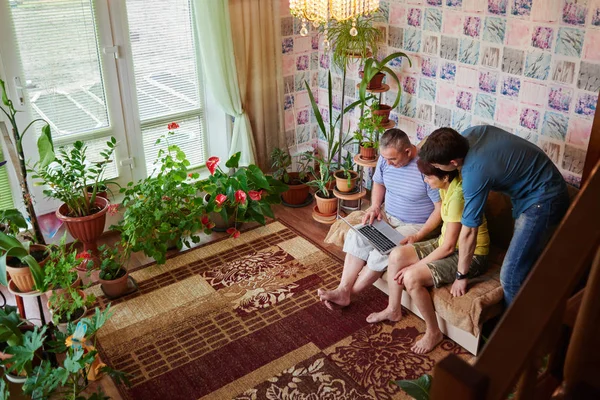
(475, 190)
(378, 174)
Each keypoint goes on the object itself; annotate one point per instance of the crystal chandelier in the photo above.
(320, 12)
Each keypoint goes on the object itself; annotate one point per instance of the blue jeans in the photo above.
(533, 229)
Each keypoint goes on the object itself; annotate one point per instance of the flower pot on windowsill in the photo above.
(297, 190)
(86, 229)
(343, 183)
(376, 82)
(384, 112)
(368, 153)
(21, 274)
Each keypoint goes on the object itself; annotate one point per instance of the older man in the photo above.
(411, 206)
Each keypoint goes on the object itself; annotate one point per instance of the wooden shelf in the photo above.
(353, 196)
(365, 163)
(384, 88)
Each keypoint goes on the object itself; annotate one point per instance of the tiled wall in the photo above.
(529, 66)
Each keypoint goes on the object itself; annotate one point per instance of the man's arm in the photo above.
(377, 197)
(466, 248)
(434, 220)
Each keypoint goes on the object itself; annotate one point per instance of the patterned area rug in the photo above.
(240, 318)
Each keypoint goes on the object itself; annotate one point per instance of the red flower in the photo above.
(205, 220)
(84, 255)
(220, 199)
(240, 197)
(165, 198)
(190, 175)
(112, 209)
(173, 125)
(212, 164)
(254, 195)
(234, 233)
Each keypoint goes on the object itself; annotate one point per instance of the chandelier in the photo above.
(320, 12)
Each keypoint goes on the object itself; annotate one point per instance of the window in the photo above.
(95, 69)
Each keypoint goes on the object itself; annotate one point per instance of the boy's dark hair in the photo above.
(394, 138)
(429, 170)
(443, 146)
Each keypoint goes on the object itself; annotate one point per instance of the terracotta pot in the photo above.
(22, 276)
(342, 181)
(376, 82)
(297, 192)
(86, 229)
(326, 206)
(368, 153)
(220, 224)
(116, 287)
(384, 112)
(102, 192)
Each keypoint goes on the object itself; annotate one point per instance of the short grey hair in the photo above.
(395, 138)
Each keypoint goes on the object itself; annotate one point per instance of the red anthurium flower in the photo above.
(254, 195)
(173, 125)
(205, 220)
(240, 197)
(234, 233)
(212, 164)
(84, 255)
(220, 199)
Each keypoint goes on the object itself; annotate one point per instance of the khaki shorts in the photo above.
(444, 270)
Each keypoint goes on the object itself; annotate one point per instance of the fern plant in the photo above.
(361, 46)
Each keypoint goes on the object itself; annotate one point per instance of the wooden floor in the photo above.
(299, 218)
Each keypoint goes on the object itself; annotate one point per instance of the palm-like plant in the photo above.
(372, 67)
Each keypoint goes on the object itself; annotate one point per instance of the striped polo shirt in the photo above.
(407, 196)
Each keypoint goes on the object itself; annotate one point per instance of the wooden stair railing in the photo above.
(539, 323)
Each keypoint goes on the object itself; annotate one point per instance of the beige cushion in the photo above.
(337, 232)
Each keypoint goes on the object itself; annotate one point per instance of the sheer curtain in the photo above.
(213, 29)
(256, 31)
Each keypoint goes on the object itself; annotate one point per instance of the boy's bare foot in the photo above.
(336, 296)
(428, 342)
(385, 315)
(332, 306)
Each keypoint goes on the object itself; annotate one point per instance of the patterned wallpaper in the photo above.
(531, 67)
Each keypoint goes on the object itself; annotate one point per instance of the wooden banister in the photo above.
(535, 317)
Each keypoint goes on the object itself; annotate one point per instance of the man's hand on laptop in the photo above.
(372, 213)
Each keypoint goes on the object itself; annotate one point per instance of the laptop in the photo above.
(380, 234)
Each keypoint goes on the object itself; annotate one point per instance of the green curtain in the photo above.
(213, 30)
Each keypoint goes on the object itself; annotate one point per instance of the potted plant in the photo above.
(17, 138)
(382, 111)
(113, 274)
(298, 191)
(22, 261)
(14, 332)
(242, 194)
(162, 211)
(67, 176)
(373, 67)
(367, 135)
(326, 201)
(346, 177)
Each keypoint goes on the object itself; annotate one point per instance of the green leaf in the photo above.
(257, 177)
(316, 110)
(240, 175)
(234, 160)
(417, 388)
(5, 100)
(46, 147)
(23, 355)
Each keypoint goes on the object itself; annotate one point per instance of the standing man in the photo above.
(492, 159)
(411, 206)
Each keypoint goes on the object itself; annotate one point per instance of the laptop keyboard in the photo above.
(379, 240)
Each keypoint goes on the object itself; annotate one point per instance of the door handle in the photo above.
(19, 89)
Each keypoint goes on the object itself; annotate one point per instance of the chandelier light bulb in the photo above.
(353, 31)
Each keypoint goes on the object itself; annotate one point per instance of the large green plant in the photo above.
(69, 173)
(163, 209)
(281, 161)
(347, 47)
(17, 138)
(372, 67)
(369, 130)
(418, 388)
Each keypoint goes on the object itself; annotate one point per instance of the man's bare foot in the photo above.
(385, 315)
(332, 306)
(428, 342)
(336, 296)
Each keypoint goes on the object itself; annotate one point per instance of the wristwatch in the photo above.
(460, 276)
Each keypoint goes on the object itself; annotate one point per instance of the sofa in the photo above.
(461, 318)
